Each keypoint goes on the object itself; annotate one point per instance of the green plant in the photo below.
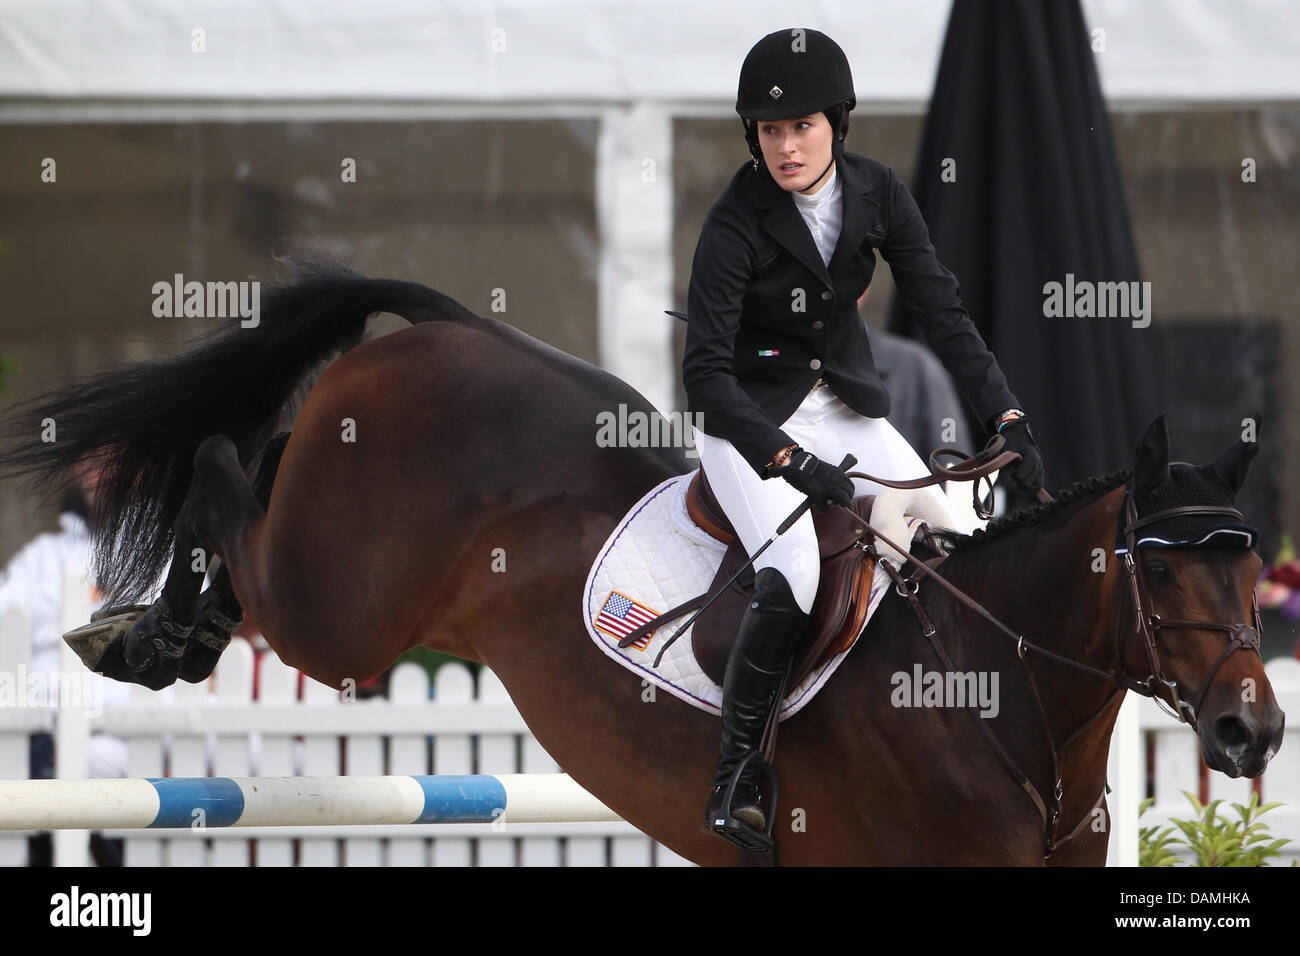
(1214, 840)
(1153, 847)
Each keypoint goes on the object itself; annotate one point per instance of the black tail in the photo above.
(142, 422)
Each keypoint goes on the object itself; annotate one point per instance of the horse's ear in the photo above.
(1152, 466)
(1232, 465)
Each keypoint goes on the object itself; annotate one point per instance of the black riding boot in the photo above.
(765, 644)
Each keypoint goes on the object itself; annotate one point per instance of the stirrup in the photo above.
(745, 835)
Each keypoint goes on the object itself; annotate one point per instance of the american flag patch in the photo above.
(620, 616)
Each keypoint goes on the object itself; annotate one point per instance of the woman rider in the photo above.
(778, 366)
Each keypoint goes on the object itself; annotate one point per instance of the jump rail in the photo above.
(198, 802)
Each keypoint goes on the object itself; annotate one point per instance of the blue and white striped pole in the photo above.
(294, 801)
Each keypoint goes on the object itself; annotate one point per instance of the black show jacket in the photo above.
(767, 317)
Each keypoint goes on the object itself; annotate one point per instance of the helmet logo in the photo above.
(775, 92)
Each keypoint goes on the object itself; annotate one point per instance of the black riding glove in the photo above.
(825, 483)
(1027, 473)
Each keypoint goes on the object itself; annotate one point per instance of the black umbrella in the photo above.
(1019, 183)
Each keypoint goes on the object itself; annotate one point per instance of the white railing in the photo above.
(1153, 755)
(295, 726)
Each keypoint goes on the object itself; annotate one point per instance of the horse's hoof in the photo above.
(210, 637)
(207, 641)
(119, 610)
(154, 646)
(91, 641)
(99, 644)
(199, 662)
(112, 666)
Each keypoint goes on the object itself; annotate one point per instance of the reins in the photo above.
(977, 467)
(1051, 813)
(968, 468)
(1241, 636)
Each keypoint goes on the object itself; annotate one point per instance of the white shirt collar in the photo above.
(824, 195)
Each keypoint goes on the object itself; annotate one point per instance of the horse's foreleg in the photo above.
(218, 612)
(218, 507)
(145, 648)
(153, 648)
(216, 615)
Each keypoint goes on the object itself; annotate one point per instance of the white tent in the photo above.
(632, 65)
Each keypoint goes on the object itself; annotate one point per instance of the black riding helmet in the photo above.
(794, 73)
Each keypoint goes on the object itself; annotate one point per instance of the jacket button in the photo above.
(815, 364)
(826, 296)
(818, 324)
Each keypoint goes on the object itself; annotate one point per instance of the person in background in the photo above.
(925, 408)
(33, 581)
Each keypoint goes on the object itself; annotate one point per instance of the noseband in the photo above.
(1149, 624)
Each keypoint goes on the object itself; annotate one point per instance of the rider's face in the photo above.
(797, 150)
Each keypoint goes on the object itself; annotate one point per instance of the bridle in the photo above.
(1149, 623)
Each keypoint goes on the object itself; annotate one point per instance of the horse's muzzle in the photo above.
(1241, 743)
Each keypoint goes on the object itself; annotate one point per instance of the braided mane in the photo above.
(954, 542)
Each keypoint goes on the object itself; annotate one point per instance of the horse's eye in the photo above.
(1159, 572)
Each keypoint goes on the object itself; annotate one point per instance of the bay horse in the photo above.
(442, 487)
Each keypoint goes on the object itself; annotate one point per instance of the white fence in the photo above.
(295, 726)
(1158, 757)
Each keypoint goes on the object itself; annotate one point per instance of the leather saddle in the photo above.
(843, 593)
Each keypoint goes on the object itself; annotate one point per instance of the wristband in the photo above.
(1010, 415)
(788, 451)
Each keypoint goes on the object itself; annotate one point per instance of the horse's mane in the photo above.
(953, 543)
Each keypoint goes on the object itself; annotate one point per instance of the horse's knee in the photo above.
(220, 504)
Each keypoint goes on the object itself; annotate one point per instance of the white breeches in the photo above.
(829, 429)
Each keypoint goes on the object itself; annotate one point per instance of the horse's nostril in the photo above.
(1232, 734)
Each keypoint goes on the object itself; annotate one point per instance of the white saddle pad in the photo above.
(657, 559)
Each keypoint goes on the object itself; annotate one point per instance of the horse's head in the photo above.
(1190, 567)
